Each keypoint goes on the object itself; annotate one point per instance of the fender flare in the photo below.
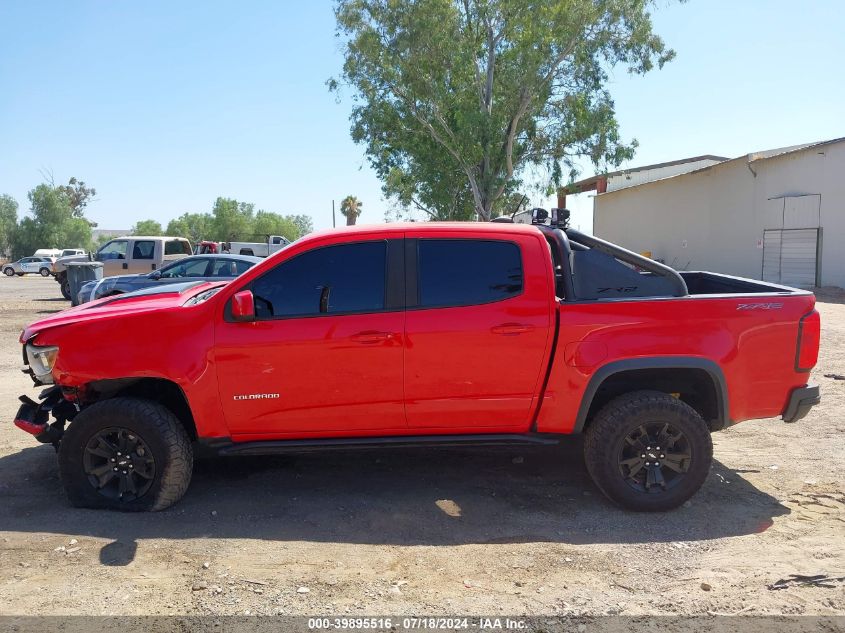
(658, 362)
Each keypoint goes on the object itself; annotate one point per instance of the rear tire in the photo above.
(9, 271)
(648, 451)
(125, 454)
(45, 272)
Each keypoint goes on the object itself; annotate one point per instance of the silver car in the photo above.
(35, 265)
(193, 268)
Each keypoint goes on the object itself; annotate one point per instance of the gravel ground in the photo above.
(431, 531)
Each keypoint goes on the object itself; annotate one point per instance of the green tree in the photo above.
(53, 223)
(481, 90)
(350, 207)
(303, 223)
(267, 223)
(147, 227)
(8, 222)
(232, 219)
(193, 226)
(78, 195)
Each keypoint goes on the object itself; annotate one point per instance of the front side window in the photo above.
(115, 249)
(330, 280)
(192, 268)
(467, 272)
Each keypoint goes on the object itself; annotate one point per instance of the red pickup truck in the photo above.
(420, 334)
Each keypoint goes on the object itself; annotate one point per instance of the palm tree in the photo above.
(350, 206)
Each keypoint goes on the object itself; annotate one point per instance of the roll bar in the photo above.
(630, 257)
(563, 240)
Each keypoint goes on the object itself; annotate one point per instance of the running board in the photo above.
(274, 447)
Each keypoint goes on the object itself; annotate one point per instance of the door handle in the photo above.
(511, 329)
(125, 266)
(371, 337)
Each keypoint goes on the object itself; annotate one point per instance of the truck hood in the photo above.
(149, 299)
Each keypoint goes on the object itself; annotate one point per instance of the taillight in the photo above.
(809, 336)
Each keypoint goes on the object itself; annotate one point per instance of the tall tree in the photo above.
(232, 219)
(484, 89)
(303, 223)
(52, 223)
(267, 223)
(350, 207)
(147, 227)
(193, 226)
(8, 222)
(78, 195)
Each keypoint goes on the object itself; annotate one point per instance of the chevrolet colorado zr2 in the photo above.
(420, 334)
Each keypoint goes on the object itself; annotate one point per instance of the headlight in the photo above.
(41, 361)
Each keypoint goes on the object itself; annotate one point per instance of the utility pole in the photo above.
(334, 224)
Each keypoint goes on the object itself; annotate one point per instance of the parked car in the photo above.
(194, 268)
(33, 265)
(133, 254)
(421, 334)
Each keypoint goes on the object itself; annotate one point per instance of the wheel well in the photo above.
(160, 390)
(694, 386)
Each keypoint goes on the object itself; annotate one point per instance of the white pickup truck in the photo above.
(273, 244)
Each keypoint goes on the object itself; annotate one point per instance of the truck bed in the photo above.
(706, 283)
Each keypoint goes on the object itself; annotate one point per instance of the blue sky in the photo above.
(164, 106)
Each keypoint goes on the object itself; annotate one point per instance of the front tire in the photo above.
(125, 454)
(9, 271)
(648, 451)
(64, 284)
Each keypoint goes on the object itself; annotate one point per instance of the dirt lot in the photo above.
(429, 532)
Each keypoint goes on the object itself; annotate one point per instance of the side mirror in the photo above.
(156, 275)
(243, 306)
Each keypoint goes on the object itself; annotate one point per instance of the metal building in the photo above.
(777, 215)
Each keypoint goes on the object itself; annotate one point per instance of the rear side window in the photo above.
(467, 272)
(330, 280)
(145, 249)
(177, 247)
(229, 267)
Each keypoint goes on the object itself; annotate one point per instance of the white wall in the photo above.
(713, 219)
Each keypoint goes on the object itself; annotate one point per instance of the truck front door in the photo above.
(478, 329)
(113, 256)
(324, 354)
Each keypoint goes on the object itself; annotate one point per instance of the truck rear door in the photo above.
(478, 324)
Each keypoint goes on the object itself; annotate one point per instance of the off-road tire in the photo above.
(9, 271)
(607, 433)
(160, 430)
(44, 272)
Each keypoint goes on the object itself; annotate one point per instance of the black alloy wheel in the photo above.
(119, 464)
(654, 457)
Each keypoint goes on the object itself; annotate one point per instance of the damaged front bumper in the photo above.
(34, 417)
